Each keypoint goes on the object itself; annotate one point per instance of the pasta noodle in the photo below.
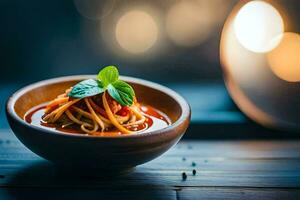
(94, 114)
(105, 106)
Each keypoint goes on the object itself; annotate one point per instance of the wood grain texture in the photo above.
(238, 194)
(225, 170)
(83, 193)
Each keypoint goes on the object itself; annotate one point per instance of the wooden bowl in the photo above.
(108, 153)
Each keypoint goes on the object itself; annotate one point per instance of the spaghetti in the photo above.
(105, 106)
(93, 115)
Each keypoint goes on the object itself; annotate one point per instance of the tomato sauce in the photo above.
(155, 120)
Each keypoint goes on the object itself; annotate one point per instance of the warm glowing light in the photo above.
(284, 60)
(251, 77)
(258, 26)
(94, 9)
(136, 31)
(189, 23)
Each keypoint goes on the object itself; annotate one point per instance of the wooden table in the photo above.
(225, 170)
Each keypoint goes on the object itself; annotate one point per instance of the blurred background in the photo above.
(172, 42)
(180, 42)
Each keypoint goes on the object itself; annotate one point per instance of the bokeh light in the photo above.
(284, 60)
(94, 9)
(258, 26)
(261, 65)
(189, 23)
(136, 31)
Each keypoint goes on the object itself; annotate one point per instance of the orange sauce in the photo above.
(155, 120)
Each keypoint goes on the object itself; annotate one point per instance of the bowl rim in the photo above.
(185, 107)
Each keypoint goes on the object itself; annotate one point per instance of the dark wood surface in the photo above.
(252, 169)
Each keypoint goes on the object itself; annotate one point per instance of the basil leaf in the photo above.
(86, 88)
(122, 92)
(108, 75)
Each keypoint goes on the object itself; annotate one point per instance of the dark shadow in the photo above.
(44, 180)
(247, 130)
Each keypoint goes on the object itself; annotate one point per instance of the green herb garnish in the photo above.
(107, 79)
(86, 88)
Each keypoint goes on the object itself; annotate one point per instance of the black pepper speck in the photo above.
(184, 176)
(194, 172)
